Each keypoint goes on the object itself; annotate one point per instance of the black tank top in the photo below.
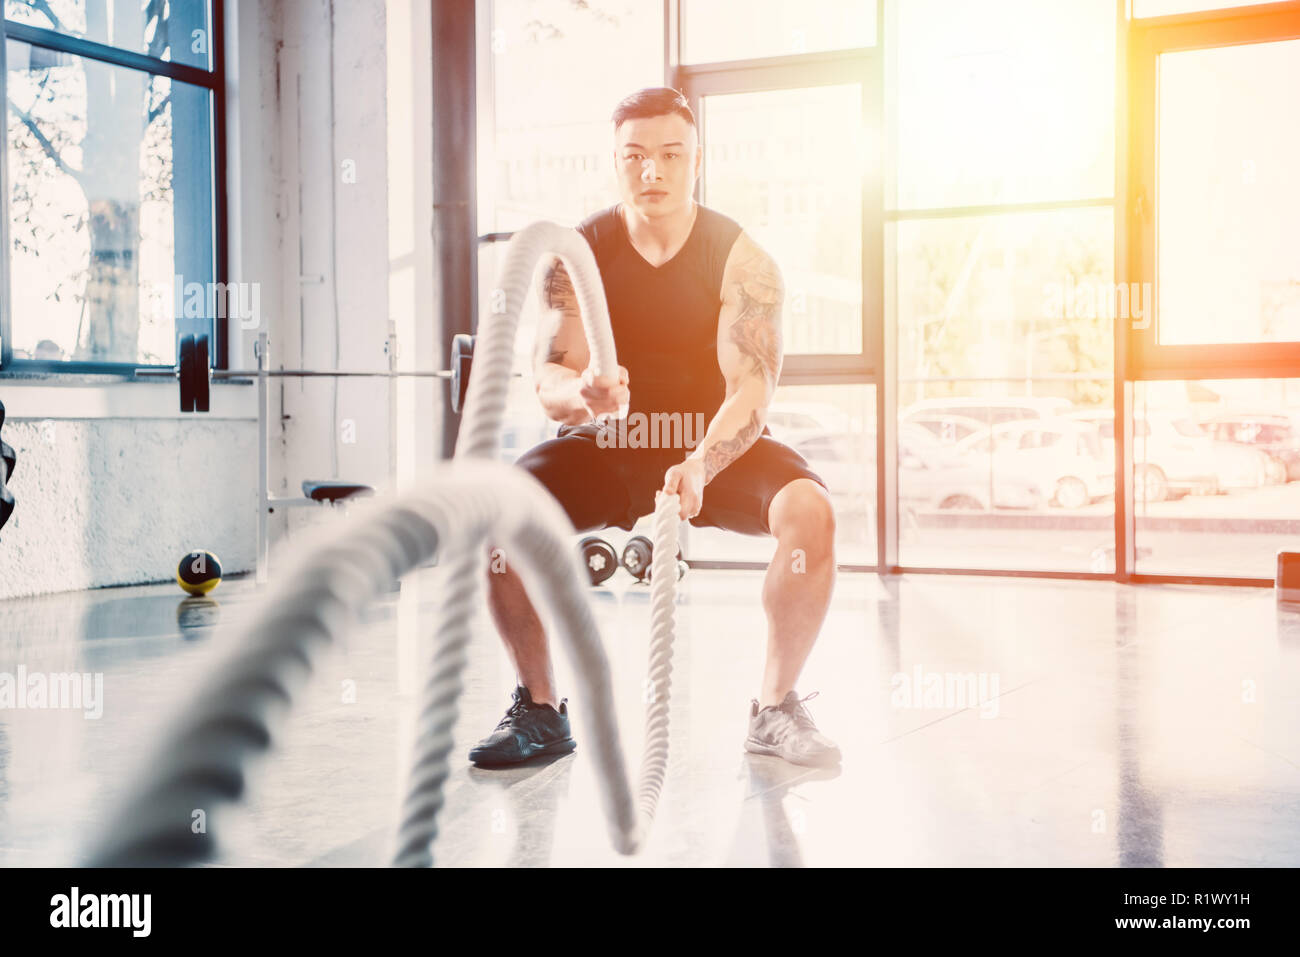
(665, 320)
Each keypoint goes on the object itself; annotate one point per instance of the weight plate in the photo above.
(637, 555)
(599, 558)
(185, 364)
(202, 381)
(462, 364)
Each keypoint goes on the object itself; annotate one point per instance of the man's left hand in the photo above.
(687, 481)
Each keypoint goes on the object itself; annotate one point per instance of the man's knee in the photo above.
(802, 507)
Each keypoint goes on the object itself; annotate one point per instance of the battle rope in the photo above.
(199, 763)
(479, 435)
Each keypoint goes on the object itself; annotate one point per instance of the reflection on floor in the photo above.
(1105, 725)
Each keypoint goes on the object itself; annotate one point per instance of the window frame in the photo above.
(859, 67)
(214, 81)
(1139, 357)
(874, 363)
(878, 364)
(1149, 38)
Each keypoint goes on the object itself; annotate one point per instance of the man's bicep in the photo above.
(560, 336)
(749, 323)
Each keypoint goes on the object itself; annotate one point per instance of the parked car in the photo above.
(1060, 455)
(929, 476)
(1173, 456)
(947, 428)
(1273, 433)
(792, 421)
(1234, 466)
(988, 411)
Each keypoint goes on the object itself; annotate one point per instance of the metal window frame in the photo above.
(1250, 24)
(1148, 39)
(1137, 42)
(805, 71)
(214, 81)
(872, 364)
(1139, 357)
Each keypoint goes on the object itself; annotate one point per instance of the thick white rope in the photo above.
(480, 431)
(332, 575)
(199, 763)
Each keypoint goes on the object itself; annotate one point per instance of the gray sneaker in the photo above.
(787, 731)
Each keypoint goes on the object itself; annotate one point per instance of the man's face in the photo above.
(658, 162)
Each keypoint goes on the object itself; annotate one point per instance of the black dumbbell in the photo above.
(599, 558)
(638, 555)
(681, 569)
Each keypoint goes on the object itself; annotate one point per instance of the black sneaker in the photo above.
(787, 731)
(526, 731)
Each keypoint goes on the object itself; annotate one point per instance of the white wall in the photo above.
(110, 501)
(334, 209)
(114, 485)
(410, 233)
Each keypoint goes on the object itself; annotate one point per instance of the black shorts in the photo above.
(599, 487)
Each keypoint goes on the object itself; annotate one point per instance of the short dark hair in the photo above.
(652, 101)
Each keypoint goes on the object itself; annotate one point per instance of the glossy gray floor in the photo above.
(1053, 723)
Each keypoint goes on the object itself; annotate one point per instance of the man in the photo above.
(695, 307)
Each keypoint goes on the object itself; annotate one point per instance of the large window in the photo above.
(112, 206)
(984, 339)
(833, 427)
(718, 30)
(1229, 200)
(1000, 263)
(787, 166)
(557, 70)
(788, 99)
(544, 145)
(1217, 466)
(1000, 102)
(1211, 241)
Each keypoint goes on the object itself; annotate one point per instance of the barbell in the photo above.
(195, 374)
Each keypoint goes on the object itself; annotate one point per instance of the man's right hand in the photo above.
(602, 395)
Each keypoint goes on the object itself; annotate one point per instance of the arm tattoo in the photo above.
(557, 294)
(557, 290)
(756, 330)
(724, 452)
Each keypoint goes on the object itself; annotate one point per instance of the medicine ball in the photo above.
(199, 572)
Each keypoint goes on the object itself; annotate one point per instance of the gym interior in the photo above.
(1039, 336)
